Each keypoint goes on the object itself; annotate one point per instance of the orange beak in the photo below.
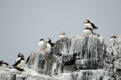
(46, 41)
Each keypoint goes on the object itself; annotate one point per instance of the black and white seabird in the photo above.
(3, 63)
(20, 60)
(42, 45)
(113, 37)
(49, 44)
(88, 24)
(88, 31)
(63, 35)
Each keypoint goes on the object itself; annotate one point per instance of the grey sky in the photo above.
(24, 22)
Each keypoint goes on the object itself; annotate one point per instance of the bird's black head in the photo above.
(1, 61)
(48, 40)
(20, 55)
(86, 21)
(41, 39)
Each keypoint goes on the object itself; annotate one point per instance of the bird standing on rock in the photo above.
(88, 31)
(63, 35)
(42, 45)
(90, 25)
(49, 44)
(19, 62)
(2, 63)
(113, 37)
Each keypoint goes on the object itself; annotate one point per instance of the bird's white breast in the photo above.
(112, 39)
(62, 36)
(21, 63)
(48, 47)
(89, 25)
(42, 44)
(87, 32)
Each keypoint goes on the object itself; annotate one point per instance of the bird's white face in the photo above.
(47, 41)
(86, 21)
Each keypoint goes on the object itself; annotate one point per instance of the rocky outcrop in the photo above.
(114, 53)
(76, 58)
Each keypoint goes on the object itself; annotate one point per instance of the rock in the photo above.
(76, 58)
(114, 51)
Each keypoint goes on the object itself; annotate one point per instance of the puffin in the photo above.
(42, 45)
(19, 62)
(3, 63)
(62, 35)
(113, 37)
(90, 24)
(88, 31)
(49, 44)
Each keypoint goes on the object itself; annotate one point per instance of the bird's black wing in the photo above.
(17, 62)
(6, 63)
(52, 44)
(27, 59)
(94, 26)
